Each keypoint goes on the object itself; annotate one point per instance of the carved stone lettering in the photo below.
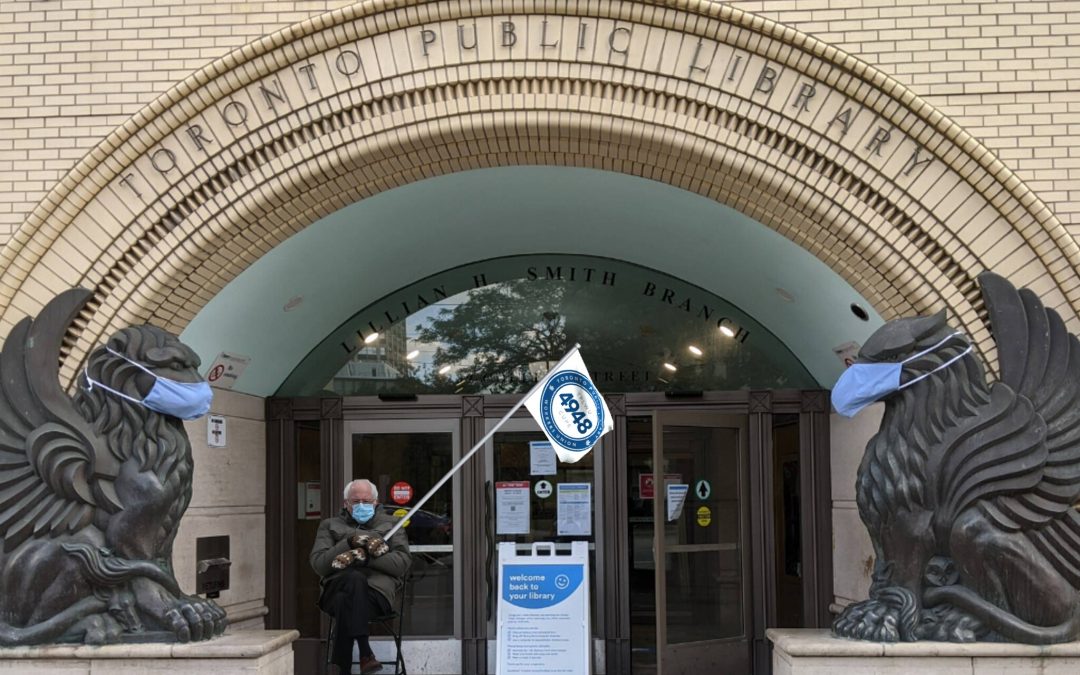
(734, 69)
(195, 132)
(509, 34)
(844, 119)
(766, 79)
(915, 162)
(881, 137)
(272, 95)
(427, 38)
(694, 63)
(613, 38)
(234, 113)
(163, 160)
(462, 43)
(347, 62)
(128, 182)
(802, 102)
(308, 69)
(543, 36)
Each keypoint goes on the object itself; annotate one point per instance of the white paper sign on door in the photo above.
(676, 497)
(512, 507)
(574, 509)
(541, 458)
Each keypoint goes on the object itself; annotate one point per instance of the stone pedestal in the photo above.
(817, 652)
(265, 652)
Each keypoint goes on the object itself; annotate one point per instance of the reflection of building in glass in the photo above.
(373, 365)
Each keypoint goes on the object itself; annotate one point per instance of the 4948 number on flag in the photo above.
(570, 410)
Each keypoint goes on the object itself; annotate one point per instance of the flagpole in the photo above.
(510, 413)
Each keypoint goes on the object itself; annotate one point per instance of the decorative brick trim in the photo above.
(161, 222)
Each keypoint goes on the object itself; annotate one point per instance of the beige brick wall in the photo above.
(72, 70)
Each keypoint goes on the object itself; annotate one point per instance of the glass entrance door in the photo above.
(405, 459)
(701, 543)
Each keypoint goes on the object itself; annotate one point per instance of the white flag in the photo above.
(570, 410)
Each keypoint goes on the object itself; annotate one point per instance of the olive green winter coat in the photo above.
(383, 573)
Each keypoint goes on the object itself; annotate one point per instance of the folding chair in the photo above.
(391, 622)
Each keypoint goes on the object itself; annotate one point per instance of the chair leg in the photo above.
(399, 661)
(329, 645)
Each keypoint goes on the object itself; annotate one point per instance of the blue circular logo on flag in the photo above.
(572, 411)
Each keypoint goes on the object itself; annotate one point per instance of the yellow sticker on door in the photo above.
(704, 516)
(401, 513)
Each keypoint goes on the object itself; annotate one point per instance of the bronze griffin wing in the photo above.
(1014, 469)
(55, 470)
(1034, 413)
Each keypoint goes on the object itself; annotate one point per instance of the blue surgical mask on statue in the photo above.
(186, 400)
(865, 383)
(362, 513)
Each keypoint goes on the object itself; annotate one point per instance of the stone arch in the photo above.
(810, 141)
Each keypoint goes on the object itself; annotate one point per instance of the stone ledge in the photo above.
(817, 652)
(241, 645)
(820, 642)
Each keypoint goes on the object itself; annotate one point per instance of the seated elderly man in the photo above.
(360, 572)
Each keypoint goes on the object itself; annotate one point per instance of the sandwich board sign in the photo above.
(543, 611)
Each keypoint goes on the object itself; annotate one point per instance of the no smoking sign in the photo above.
(225, 370)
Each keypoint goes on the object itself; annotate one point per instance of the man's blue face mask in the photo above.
(362, 513)
(186, 400)
(864, 383)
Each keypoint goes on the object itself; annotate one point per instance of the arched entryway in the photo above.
(898, 202)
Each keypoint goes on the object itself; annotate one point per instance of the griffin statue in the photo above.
(969, 489)
(92, 488)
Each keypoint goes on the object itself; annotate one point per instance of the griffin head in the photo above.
(901, 354)
(129, 361)
(123, 383)
(899, 339)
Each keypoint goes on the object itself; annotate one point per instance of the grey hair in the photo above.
(348, 486)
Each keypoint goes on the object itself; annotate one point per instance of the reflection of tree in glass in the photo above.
(503, 337)
(494, 336)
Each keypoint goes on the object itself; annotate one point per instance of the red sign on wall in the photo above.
(401, 492)
(647, 487)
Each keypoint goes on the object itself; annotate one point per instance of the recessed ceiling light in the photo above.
(670, 367)
(412, 355)
(445, 369)
(859, 312)
(371, 338)
(695, 350)
(293, 303)
(727, 331)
